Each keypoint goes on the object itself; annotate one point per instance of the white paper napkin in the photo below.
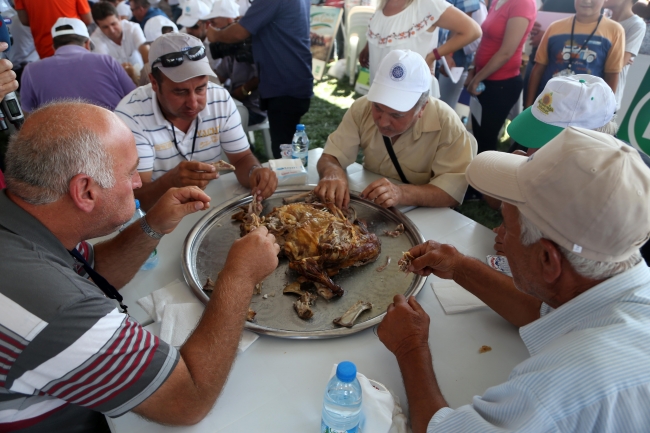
(381, 412)
(178, 311)
(454, 299)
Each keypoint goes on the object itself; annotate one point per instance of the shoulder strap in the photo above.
(391, 153)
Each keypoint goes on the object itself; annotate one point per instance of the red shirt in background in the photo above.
(42, 16)
(3, 185)
(494, 29)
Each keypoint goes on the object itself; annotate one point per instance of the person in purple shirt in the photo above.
(280, 32)
(74, 72)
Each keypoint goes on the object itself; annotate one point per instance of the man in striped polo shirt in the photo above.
(182, 122)
(68, 355)
(575, 215)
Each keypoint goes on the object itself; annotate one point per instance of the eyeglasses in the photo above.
(176, 59)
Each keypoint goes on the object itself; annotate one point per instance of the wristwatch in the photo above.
(244, 91)
(149, 231)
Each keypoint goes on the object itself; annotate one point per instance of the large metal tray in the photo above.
(207, 245)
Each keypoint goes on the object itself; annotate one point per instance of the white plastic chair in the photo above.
(249, 130)
(356, 28)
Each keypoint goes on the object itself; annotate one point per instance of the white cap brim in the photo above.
(186, 21)
(397, 99)
(495, 174)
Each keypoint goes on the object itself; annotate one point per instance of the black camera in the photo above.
(242, 51)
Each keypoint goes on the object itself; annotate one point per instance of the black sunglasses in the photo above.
(175, 59)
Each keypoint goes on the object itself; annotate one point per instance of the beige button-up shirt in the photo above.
(437, 149)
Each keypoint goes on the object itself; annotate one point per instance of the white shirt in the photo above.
(219, 126)
(588, 371)
(634, 33)
(405, 31)
(127, 52)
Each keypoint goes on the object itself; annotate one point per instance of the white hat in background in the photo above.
(585, 190)
(180, 43)
(224, 9)
(401, 78)
(78, 27)
(193, 12)
(154, 25)
(582, 100)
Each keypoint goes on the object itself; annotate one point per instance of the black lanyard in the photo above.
(196, 130)
(393, 157)
(573, 25)
(106, 287)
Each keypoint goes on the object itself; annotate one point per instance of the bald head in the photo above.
(59, 141)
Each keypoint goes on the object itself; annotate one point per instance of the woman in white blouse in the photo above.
(413, 25)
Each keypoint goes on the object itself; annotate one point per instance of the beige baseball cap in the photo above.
(585, 190)
(402, 77)
(178, 43)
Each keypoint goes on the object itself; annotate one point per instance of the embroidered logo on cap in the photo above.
(544, 104)
(397, 72)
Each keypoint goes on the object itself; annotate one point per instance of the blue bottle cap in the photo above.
(346, 371)
(137, 203)
(300, 127)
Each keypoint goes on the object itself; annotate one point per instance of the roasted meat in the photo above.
(318, 239)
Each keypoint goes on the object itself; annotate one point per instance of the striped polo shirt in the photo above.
(219, 128)
(67, 355)
(588, 371)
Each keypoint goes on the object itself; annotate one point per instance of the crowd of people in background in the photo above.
(156, 87)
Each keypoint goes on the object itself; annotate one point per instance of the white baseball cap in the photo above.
(582, 100)
(78, 27)
(585, 190)
(179, 43)
(401, 78)
(224, 9)
(154, 25)
(193, 12)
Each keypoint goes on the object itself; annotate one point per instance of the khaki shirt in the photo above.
(437, 149)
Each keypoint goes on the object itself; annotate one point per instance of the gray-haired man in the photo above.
(68, 355)
(575, 215)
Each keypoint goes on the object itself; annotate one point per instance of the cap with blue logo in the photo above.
(193, 12)
(402, 77)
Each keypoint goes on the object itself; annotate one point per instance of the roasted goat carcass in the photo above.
(318, 239)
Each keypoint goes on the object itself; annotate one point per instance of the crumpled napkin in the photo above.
(455, 299)
(179, 311)
(380, 409)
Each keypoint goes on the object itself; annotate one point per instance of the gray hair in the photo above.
(610, 128)
(424, 97)
(41, 160)
(587, 268)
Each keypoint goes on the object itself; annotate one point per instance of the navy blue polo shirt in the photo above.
(280, 30)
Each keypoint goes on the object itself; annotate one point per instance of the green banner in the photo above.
(635, 128)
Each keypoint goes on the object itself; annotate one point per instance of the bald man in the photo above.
(69, 354)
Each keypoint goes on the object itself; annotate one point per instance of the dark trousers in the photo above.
(284, 113)
(496, 102)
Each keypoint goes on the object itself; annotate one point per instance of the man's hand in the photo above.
(434, 258)
(174, 205)
(405, 327)
(130, 71)
(193, 173)
(253, 257)
(213, 34)
(334, 189)
(471, 87)
(263, 182)
(364, 57)
(498, 239)
(8, 81)
(536, 35)
(383, 192)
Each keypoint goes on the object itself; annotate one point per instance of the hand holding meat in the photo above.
(263, 182)
(253, 257)
(432, 257)
(193, 173)
(174, 205)
(405, 327)
(383, 192)
(334, 189)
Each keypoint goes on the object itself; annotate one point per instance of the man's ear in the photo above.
(83, 192)
(551, 260)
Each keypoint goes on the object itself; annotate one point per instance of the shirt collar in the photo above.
(564, 319)
(70, 49)
(429, 122)
(17, 220)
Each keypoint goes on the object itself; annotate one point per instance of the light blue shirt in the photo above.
(589, 368)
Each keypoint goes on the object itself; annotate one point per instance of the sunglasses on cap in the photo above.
(176, 59)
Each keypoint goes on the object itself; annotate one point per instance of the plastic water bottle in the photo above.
(300, 145)
(481, 87)
(152, 261)
(342, 401)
